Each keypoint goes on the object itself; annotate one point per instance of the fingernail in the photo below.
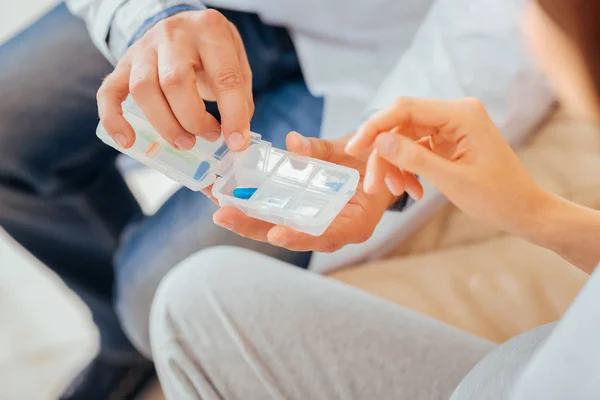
(184, 142)
(368, 182)
(235, 141)
(280, 241)
(413, 194)
(225, 224)
(351, 143)
(392, 186)
(120, 139)
(386, 145)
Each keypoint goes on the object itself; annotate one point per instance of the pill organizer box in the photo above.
(302, 193)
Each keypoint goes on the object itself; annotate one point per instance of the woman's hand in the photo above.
(456, 146)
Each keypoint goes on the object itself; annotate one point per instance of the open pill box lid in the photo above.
(303, 193)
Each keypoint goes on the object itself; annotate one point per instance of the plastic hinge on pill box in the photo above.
(264, 182)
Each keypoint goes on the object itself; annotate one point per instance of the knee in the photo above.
(209, 271)
(200, 291)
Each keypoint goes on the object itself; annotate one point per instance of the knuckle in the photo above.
(228, 79)
(140, 84)
(234, 30)
(328, 150)
(370, 125)
(412, 158)
(108, 122)
(175, 77)
(363, 236)
(251, 108)
(474, 105)
(331, 247)
(102, 92)
(169, 25)
(105, 87)
(212, 19)
(403, 102)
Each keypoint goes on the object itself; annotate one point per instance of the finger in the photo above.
(145, 88)
(404, 113)
(407, 155)
(320, 149)
(220, 60)
(245, 64)
(207, 191)
(425, 142)
(282, 236)
(236, 221)
(414, 188)
(110, 96)
(396, 180)
(376, 173)
(177, 76)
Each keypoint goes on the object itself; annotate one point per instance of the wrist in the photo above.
(568, 229)
(538, 224)
(398, 203)
(135, 17)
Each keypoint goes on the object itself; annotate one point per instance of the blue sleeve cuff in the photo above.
(150, 22)
(402, 203)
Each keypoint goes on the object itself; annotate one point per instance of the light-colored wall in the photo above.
(17, 14)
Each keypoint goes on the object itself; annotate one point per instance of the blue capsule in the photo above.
(202, 170)
(244, 193)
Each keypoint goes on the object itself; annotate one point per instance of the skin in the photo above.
(177, 64)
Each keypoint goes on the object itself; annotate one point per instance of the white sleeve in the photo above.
(567, 364)
(473, 48)
(124, 19)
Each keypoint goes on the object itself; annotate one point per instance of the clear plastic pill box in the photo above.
(283, 188)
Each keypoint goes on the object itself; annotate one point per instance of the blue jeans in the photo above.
(62, 197)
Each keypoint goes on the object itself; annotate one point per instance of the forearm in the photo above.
(570, 230)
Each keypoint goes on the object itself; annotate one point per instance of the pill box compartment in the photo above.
(300, 192)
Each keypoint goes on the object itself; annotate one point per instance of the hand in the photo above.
(456, 146)
(188, 57)
(354, 224)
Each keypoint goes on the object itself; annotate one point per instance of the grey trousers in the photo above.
(232, 324)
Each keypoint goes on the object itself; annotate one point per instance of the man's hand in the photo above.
(354, 224)
(188, 57)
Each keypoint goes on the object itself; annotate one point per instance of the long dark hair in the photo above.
(580, 21)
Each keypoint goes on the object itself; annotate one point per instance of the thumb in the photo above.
(412, 157)
(320, 149)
